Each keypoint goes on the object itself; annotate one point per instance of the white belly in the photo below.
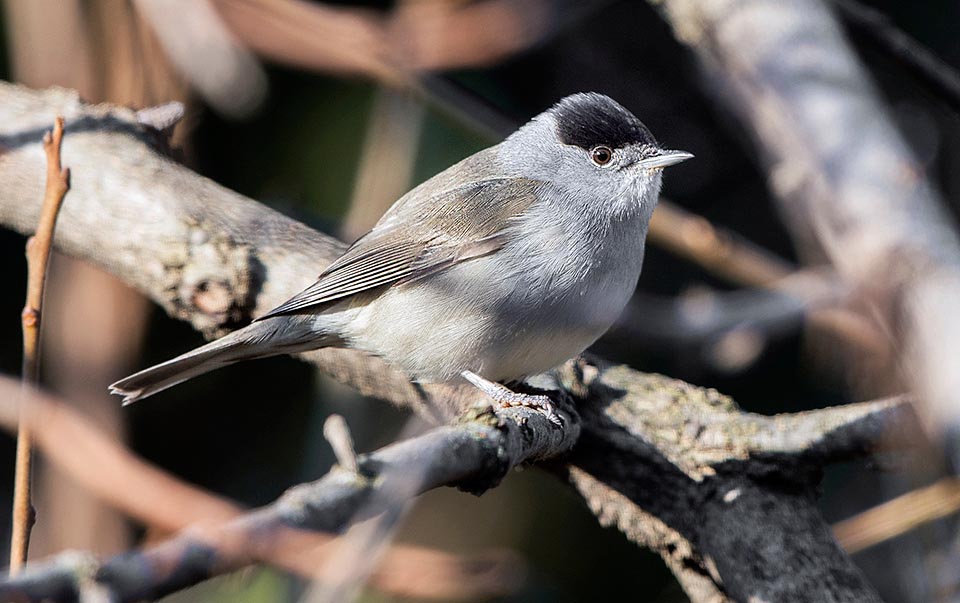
(512, 314)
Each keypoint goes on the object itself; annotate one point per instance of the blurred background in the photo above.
(329, 111)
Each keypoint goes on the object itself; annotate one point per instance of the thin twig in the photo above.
(900, 515)
(338, 434)
(38, 254)
(361, 550)
(714, 248)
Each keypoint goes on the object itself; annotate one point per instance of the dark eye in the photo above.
(601, 155)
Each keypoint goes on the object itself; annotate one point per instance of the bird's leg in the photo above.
(507, 398)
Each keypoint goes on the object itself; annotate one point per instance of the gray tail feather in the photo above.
(281, 335)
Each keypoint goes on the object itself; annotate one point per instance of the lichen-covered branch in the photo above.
(677, 467)
(727, 498)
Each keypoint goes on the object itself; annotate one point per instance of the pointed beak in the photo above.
(664, 159)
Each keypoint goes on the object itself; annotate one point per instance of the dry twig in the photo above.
(38, 253)
(336, 431)
(718, 250)
(900, 515)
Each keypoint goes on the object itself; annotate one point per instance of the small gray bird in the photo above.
(499, 268)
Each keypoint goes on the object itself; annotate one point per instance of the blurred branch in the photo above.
(158, 499)
(841, 173)
(939, 77)
(103, 466)
(791, 293)
(361, 549)
(38, 254)
(228, 77)
(732, 328)
(392, 139)
(726, 497)
(391, 47)
(900, 515)
(338, 435)
(718, 250)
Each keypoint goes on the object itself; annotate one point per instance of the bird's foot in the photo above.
(507, 398)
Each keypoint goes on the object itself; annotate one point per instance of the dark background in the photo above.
(253, 430)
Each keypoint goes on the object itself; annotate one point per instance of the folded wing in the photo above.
(457, 225)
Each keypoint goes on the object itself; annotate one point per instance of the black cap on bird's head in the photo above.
(600, 125)
(590, 119)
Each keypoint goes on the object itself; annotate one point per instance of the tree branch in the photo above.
(151, 496)
(657, 457)
(475, 453)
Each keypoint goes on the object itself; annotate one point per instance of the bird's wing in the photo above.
(459, 224)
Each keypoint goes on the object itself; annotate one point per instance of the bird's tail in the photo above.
(280, 335)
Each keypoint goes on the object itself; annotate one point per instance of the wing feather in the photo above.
(460, 224)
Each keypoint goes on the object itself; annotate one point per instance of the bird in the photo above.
(497, 269)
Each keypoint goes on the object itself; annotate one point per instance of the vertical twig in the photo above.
(338, 434)
(38, 253)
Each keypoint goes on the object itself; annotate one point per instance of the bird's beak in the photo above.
(664, 159)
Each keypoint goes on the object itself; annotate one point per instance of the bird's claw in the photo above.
(504, 397)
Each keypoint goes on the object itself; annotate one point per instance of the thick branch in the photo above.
(727, 498)
(654, 455)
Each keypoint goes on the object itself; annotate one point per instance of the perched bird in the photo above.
(499, 268)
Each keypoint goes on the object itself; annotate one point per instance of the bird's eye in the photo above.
(601, 155)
